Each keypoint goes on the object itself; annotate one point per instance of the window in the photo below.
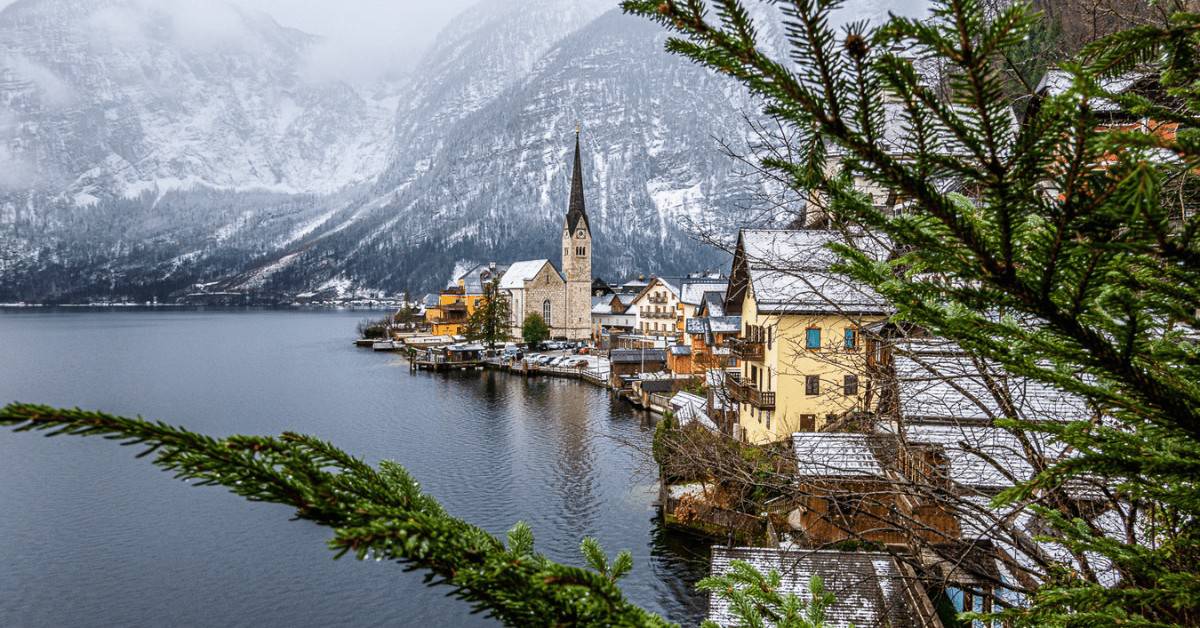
(812, 338)
(546, 310)
(850, 385)
(808, 422)
(768, 413)
(851, 338)
(812, 385)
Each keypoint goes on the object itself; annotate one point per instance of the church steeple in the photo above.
(576, 213)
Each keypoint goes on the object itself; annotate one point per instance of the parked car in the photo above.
(544, 360)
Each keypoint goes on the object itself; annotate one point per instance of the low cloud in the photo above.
(16, 173)
(53, 90)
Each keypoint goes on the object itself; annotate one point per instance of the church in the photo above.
(563, 299)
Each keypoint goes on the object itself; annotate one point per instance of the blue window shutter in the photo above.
(813, 340)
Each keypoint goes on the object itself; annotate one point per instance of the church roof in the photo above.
(520, 272)
(576, 213)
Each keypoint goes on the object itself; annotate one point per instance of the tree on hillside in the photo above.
(1056, 248)
(489, 322)
(534, 331)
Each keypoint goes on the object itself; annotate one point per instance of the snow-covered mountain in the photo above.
(113, 98)
(494, 183)
(146, 145)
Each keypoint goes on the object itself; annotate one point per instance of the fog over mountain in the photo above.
(147, 146)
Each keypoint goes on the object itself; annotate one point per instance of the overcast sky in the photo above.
(361, 34)
(367, 38)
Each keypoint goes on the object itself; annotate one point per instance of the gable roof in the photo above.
(789, 272)
(520, 272)
(936, 380)
(833, 454)
(692, 290)
(980, 456)
(713, 303)
(472, 278)
(869, 588)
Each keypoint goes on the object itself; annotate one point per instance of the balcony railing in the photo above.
(745, 349)
(670, 315)
(654, 299)
(745, 392)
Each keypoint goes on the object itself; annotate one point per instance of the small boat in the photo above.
(365, 342)
(383, 345)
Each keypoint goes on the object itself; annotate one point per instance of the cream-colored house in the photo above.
(657, 307)
(803, 365)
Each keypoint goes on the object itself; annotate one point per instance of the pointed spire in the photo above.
(576, 212)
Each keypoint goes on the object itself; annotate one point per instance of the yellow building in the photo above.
(803, 365)
(459, 300)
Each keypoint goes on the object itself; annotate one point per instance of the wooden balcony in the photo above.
(745, 392)
(745, 349)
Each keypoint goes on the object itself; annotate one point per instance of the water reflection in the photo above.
(494, 448)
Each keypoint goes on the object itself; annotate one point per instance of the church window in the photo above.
(546, 310)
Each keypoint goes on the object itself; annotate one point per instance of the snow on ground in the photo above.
(261, 275)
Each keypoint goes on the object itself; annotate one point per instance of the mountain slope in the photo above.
(495, 184)
(138, 138)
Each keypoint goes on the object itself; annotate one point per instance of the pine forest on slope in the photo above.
(142, 156)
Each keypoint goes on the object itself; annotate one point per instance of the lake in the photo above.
(91, 536)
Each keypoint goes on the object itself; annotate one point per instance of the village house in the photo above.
(802, 358)
(611, 317)
(625, 365)
(691, 297)
(459, 299)
(708, 339)
(657, 307)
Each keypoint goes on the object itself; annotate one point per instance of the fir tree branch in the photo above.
(373, 512)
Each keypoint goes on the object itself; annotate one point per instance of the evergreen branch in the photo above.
(373, 512)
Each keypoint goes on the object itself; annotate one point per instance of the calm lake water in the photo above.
(91, 536)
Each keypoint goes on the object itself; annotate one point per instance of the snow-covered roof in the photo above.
(690, 408)
(681, 350)
(714, 302)
(1056, 82)
(520, 272)
(724, 324)
(951, 386)
(831, 454)
(869, 588)
(692, 291)
(789, 271)
(981, 455)
(472, 279)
